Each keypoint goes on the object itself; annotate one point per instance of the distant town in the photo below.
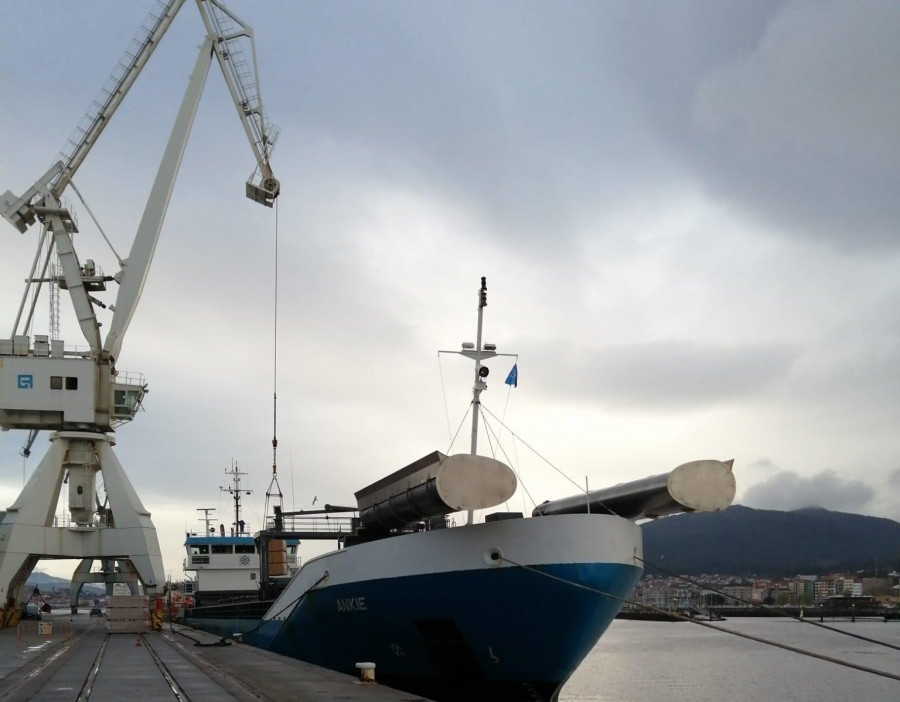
(704, 591)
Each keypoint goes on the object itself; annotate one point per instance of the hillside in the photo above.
(46, 583)
(745, 541)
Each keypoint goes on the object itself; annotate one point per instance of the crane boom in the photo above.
(224, 31)
(242, 78)
(136, 267)
(240, 75)
(114, 90)
(20, 211)
(226, 38)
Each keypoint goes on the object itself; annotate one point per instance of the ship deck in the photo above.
(81, 661)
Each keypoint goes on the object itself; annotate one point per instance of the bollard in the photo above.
(366, 672)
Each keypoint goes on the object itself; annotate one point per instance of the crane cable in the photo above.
(274, 482)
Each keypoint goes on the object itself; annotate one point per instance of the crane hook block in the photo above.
(265, 191)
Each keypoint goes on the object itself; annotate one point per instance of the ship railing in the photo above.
(320, 524)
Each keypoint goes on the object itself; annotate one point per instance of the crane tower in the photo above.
(79, 395)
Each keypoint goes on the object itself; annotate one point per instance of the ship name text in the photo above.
(352, 604)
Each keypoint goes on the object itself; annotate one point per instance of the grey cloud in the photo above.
(787, 490)
(894, 478)
(504, 107)
(808, 125)
(669, 373)
(787, 109)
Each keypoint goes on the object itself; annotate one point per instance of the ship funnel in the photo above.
(698, 486)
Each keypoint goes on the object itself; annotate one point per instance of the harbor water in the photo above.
(636, 661)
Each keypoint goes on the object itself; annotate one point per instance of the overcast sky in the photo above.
(687, 213)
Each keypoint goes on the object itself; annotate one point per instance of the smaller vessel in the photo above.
(225, 565)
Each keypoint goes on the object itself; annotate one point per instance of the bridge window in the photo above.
(198, 549)
(222, 548)
(245, 548)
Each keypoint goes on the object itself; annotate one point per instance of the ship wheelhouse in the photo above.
(226, 568)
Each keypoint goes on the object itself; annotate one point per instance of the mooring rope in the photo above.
(288, 605)
(780, 612)
(786, 647)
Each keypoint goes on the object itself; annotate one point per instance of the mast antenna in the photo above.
(206, 519)
(235, 491)
(478, 352)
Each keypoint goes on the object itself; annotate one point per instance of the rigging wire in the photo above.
(37, 256)
(506, 456)
(36, 289)
(724, 630)
(533, 450)
(97, 224)
(444, 394)
(453, 439)
(494, 452)
(508, 395)
(516, 454)
(781, 612)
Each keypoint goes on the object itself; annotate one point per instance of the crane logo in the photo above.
(25, 382)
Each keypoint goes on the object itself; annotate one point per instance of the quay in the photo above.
(80, 660)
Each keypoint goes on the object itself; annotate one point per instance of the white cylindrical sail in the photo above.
(698, 486)
(434, 486)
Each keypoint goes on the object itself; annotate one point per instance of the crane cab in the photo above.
(43, 387)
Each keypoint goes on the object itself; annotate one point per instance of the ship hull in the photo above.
(497, 611)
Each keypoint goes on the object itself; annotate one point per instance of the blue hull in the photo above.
(492, 634)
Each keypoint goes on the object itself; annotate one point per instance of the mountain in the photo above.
(767, 543)
(46, 583)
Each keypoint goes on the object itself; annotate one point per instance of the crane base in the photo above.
(29, 531)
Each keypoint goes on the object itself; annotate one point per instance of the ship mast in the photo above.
(235, 491)
(207, 520)
(479, 377)
(478, 352)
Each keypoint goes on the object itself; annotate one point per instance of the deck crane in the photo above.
(80, 396)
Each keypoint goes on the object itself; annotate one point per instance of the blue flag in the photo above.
(513, 377)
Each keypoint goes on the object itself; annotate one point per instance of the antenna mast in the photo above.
(478, 352)
(235, 491)
(479, 378)
(206, 519)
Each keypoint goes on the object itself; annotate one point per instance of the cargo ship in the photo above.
(505, 609)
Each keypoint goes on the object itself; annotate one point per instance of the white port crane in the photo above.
(79, 395)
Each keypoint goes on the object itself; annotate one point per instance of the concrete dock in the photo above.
(80, 661)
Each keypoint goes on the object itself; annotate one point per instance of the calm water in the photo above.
(683, 662)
